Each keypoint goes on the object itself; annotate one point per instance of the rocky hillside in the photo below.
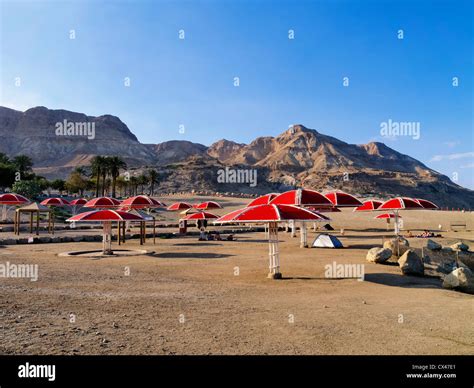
(34, 133)
(299, 156)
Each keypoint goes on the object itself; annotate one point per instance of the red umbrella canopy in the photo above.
(105, 215)
(262, 200)
(13, 199)
(55, 202)
(78, 202)
(325, 209)
(341, 199)
(208, 205)
(200, 216)
(102, 202)
(301, 197)
(426, 204)
(400, 203)
(368, 206)
(179, 206)
(386, 215)
(140, 202)
(271, 213)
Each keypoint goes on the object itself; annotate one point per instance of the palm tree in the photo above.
(142, 180)
(104, 171)
(115, 164)
(133, 185)
(97, 164)
(122, 185)
(152, 179)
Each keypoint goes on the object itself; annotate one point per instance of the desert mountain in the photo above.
(298, 156)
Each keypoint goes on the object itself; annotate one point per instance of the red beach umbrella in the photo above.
(208, 205)
(262, 200)
(341, 199)
(399, 203)
(78, 202)
(368, 206)
(200, 216)
(55, 202)
(271, 214)
(324, 209)
(179, 206)
(426, 204)
(11, 199)
(102, 203)
(141, 202)
(301, 197)
(106, 217)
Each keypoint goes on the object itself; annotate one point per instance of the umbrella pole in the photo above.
(397, 231)
(119, 237)
(4, 212)
(107, 238)
(304, 236)
(154, 230)
(293, 228)
(273, 254)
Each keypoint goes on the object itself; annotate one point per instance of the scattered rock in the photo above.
(403, 245)
(460, 246)
(378, 255)
(433, 245)
(461, 279)
(411, 264)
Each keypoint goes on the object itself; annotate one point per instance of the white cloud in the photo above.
(469, 165)
(438, 158)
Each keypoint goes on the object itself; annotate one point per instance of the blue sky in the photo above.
(283, 81)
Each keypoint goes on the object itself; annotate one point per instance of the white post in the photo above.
(304, 236)
(293, 228)
(107, 238)
(4, 212)
(274, 258)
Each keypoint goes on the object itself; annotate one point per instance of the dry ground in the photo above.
(187, 299)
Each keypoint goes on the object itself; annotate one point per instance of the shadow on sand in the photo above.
(190, 255)
(312, 278)
(395, 280)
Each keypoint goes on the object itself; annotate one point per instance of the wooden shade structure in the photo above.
(32, 209)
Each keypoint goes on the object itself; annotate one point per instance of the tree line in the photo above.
(106, 175)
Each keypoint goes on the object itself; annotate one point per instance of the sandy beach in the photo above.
(213, 297)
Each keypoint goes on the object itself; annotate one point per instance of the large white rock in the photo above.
(460, 279)
(403, 246)
(460, 246)
(411, 264)
(378, 255)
